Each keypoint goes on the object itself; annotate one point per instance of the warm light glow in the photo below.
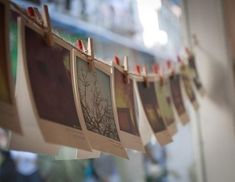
(152, 35)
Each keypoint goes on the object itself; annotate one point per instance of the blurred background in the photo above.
(150, 31)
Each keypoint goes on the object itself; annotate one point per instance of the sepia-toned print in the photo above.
(96, 100)
(50, 79)
(124, 96)
(178, 98)
(188, 88)
(187, 82)
(150, 105)
(5, 95)
(163, 95)
(196, 79)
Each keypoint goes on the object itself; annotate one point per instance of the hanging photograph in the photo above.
(8, 111)
(94, 94)
(165, 104)
(126, 113)
(32, 138)
(48, 76)
(150, 105)
(145, 130)
(177, 98)
(188, 87)
(196, 79)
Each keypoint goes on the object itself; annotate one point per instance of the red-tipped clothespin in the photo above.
(191, 57)
(138, 69)
(90, 52)
(170, 67)
(169, 64)
(189, 53)
(48, 31)
(80, 45)
(156, 69)
(181, 62)
(126, 69)
(116, 60)
(144, 71)
(38, 16)
(30, 12)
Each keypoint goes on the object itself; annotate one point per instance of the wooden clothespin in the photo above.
(126, 69)
(38, 16)
(48, 31)
(34, 13)
(157, 70)
(138, 69)
(170, 68)
(116, 60)
(181, 62)
(80, 45)
(90, 52)
(30, 12)
(124, 66)
(144, 71)
(189, 53)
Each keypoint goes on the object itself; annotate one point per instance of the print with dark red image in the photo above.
(49, 75)
(177, 94)
(150, 105)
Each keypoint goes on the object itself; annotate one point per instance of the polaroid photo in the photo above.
(177, 98)
(145, 129)
(151, 108)
(126, 109)
(194, 72)
(188, 86)
(32, 138)
(93, 90)
(50, 85)
(165, 104)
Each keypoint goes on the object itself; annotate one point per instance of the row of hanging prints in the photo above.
(67, 103)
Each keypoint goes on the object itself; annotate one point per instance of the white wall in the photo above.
(205, 19)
